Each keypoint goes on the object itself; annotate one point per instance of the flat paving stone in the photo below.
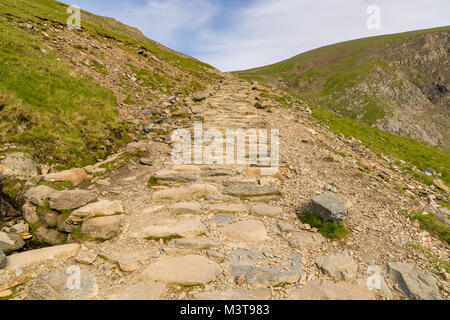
(251, 191)
(228, 208)
(191, 207)
(264, 210)
(194, 243)
(183, 270)
(185, 193)
(248, 231)
(185, 227)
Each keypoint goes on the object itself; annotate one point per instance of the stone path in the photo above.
(200, 231)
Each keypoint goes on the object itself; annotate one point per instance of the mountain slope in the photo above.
(398, 82)
(65, 94)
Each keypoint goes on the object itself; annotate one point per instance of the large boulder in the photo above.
(48, 217)
(415, 284)
(37, 195)
(103, 228)
(29, 213)
(18, 166)
(96, 209)
(71, 199)
(50, 236)
(329, 207)
(10, 242)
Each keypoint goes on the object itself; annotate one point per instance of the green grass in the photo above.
(346, 77)
(431, 224)
(437, 264)
(12, 188)
(121, 160)
(64, 118)
(154, 80)
(76, 235)
(328, 229)
(97, 66)
(445, 204)
(152, 182)
(58, 185)
(414, 152)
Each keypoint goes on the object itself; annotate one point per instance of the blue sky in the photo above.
(238, 34)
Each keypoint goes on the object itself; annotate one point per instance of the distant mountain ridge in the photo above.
(399, 83)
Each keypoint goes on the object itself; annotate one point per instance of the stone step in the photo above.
(251, 191)
(184, 270)
(192, 207)
(194, 243)
(228, 208)
(192, 192)
(247, 231)
(167, 229)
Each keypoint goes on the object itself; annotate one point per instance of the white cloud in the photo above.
(272, 30)
(166, 21)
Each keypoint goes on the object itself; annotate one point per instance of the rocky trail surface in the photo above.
(217, 231)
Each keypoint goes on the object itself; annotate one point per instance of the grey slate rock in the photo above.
(328, 207)
(244, 263)
(413, 283)
(71, 199)
(10, 242)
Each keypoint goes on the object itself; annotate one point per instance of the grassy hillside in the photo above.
(415, 153)
(60, 97)
(417, 156)
(396, 82)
